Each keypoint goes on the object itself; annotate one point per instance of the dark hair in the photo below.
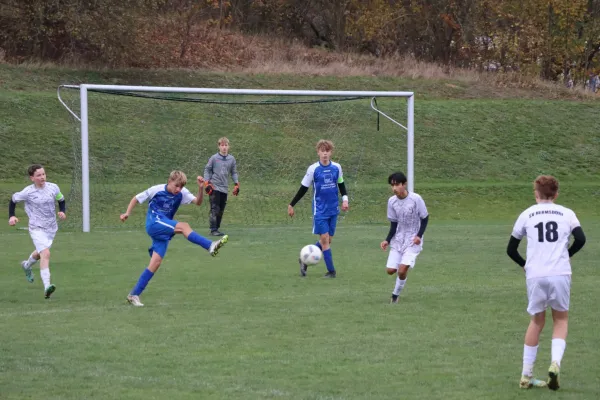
(397, 177)
(546, 186)
(31, 170)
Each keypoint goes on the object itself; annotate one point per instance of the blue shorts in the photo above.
(161, 230)
(323, 225)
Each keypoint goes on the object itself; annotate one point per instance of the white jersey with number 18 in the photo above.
(547, 227)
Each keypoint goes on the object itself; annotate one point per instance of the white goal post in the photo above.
(83, 119)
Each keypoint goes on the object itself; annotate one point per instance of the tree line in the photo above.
(557, 39)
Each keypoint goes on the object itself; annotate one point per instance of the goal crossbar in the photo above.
(83, 119)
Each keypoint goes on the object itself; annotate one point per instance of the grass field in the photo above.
(244, 325)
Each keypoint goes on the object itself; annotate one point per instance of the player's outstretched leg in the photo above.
(217, 244)
(28, 271)
(553, 373)
(195, 237)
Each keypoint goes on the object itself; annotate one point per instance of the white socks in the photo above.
(529, 355)
(558, 349)
(30, 261)
(399, 286)
(45, 275)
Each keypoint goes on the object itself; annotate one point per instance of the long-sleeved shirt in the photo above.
(218, 169)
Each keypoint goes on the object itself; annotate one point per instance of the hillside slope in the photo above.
(469, 152)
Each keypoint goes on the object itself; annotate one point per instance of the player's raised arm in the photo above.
(200, 194)
(208, 173)
(132, 203)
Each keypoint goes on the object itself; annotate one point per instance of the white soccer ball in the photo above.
(311, 254)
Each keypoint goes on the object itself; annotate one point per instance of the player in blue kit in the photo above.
(164, 201)
(326, 178)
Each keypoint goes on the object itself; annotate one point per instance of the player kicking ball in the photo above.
(547, 227)
(164, 201)
(40, 199)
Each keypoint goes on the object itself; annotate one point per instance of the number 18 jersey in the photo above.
(548, 227)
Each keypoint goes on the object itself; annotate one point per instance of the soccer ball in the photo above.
(310, 254)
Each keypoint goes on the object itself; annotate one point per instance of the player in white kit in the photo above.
(548, 227)
(40, 199)
(408, 218)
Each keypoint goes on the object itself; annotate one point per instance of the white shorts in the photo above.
(408, 257)
(548, 291)
(42, 240)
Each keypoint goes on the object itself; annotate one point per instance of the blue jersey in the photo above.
(162, 203)
(324, 179)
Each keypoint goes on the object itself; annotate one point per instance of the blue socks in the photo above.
(199, 240)
(142, 282)
(328, 260)
(147, 274)
(327, 257)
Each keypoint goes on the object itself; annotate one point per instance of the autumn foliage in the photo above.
(553, 39)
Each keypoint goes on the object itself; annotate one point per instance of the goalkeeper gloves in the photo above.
(208, 187)
(236, 189)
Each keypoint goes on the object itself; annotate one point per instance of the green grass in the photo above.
(244, 325)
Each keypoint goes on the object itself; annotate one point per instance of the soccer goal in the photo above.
(127, 138)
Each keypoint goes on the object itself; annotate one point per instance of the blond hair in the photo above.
(546, 186)
(178, 177)
(223, 140)
(326, 145)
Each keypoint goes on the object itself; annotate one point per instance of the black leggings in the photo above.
(218, 201)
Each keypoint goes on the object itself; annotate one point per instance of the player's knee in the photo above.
(182, 227)
(539, 320)
(391, 271)
(45, 254)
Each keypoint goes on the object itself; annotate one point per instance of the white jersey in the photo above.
(407, 212)
(548, 227)
(40, 206)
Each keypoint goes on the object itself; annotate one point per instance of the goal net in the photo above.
(128, 138)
